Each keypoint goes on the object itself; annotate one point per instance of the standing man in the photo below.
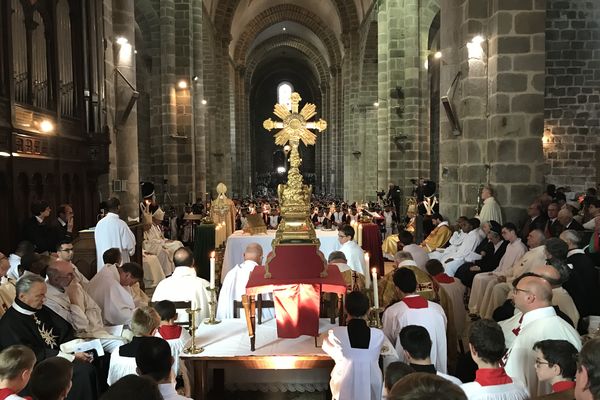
(112, 232)
(37, 230)
(491, 209)
(394, 195)
(353, 252)
(64, 223)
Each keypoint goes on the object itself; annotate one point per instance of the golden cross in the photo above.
(295, 126)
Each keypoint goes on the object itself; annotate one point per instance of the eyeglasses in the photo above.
(517, 290)
(538, 363)
(67, 250)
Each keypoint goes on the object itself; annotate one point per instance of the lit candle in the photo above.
(212, 270)
(375, 288)
(366, 271)
(360, 232)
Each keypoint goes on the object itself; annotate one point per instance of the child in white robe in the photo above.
(174, 334)
(144, 323)
(355, 349)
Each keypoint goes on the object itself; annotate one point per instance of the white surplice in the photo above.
(14, 261)
(355, 258)
(536, 325)
(432, 318)
(113, 232)
(185, 285)
(356, 375)
(459, 254)
(490, 211)
(508, 391)
(120, 366)
(116, 301)
(234, 286)
(155, 243)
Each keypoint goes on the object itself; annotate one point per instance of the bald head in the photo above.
(547, 272)
(539, 287)
(254, 252)
(183, 257)
(60, 273)
(565, 216)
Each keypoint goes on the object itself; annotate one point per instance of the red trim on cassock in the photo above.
(415, 302)
(492, 377)
(517, 330)
(562, 386)
(443, 278)
(4, 393)
(169, 332)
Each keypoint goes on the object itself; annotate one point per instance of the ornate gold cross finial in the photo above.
(294, 196)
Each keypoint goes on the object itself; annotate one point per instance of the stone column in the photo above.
(125, 133)
(199, 110)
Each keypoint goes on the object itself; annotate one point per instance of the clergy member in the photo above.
(533, 297)
(453, 257)
(112, 232)
(354, 253)
(455, 290)
(234, 284)
(491, 209)
(111, 290)
(439, 236)
(355, 348)
(155, 243)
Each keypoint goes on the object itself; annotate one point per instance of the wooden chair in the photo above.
(178, 306)
(260, 304)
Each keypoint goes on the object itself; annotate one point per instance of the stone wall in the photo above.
(572, 95)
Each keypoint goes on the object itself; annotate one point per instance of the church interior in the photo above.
(422, 109)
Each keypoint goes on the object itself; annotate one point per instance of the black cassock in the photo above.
(43, 331)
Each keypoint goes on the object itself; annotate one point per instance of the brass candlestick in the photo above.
(193, 349)
(212, 308)
(374, 319)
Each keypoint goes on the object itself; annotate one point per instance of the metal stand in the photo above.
(212, 308)
(373, 319)
(193, 349)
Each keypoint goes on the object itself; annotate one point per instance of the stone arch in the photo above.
(147, 19)
(346, 11)
(306, 48)
(287, 12)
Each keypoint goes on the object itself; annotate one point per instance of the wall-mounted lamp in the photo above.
(182, 84)
(121, 40)
(203, 102)
(475, 47)
(46, 126)
(4, 154)
(195, 78)
(437, 55)
(376, 104)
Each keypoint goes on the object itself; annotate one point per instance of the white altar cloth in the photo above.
(237, 242)
(230, 339)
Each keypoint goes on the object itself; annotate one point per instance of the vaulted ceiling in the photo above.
(318, 24)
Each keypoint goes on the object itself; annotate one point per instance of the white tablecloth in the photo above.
(230, 339)
(237, 242)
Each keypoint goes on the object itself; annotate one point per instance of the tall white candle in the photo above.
(375, 288)
(360, 234)
(212, 270)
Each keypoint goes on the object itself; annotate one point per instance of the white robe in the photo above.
(155, 243)
(490, 211)
(432, 318)
(234, 286)
(177, 346)
(459, 254)
(14, 261)
(120, 366)
(112, 232)
(116, 301)
(539, 324)
(508, 391)
(356, 375)
(153, 270)
(483, 283)
(185, 285)
(355, 258)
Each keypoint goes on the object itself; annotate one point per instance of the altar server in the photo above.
(113, 232)
(414, 309)
(355, 348)
(556, 363)
(486, 344)
(354, 253)
(455, 290)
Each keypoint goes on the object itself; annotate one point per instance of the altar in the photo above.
(276, 365)
(237, 242)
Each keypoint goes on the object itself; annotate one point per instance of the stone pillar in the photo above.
(168, 95)
(499, 103)
(199, 110)
(125, 132)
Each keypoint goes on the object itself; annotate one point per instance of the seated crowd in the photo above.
(521, 295)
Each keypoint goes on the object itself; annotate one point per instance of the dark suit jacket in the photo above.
(583, 285)
(553, 229)
(538, 223)
(42, 235)
(574, 225)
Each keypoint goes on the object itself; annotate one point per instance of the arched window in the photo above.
(284, 94)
